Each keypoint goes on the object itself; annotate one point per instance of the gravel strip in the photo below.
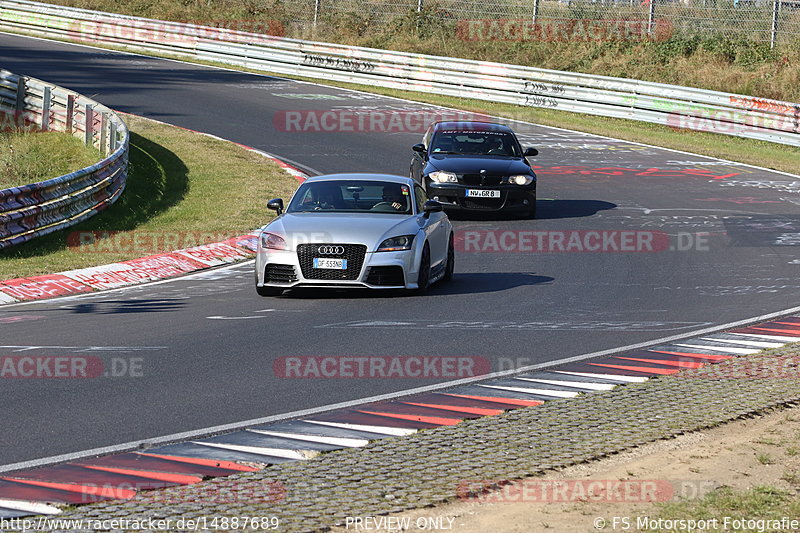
(427, 468)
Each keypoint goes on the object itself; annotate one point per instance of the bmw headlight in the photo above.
(441, 176)
(272, 241)
(520, 179)
(397, 244)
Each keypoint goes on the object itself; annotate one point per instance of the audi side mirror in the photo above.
(419, 148)
(276, 204)
(431, 206)
(530, 152)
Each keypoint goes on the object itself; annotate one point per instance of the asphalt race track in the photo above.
(718, 245)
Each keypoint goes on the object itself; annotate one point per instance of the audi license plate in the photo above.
(482, 193)
(330, 263)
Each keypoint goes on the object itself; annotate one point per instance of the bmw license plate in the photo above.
(330, 263)
(482, 193)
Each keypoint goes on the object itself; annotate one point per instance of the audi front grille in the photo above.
(353, 253)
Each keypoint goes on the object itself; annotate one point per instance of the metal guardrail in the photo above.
(671, 105)
(40, 208)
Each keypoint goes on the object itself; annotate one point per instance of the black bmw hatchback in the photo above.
(477, 166)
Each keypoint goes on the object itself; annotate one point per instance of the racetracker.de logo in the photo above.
(139, 242)
(217, 492)
(566, 491)
(563, 30)
(529, 241)
(364, 120)
(68, 367)
(18, 122)
(392, 367)
(778, 367)
(733, 122)
(178, 32)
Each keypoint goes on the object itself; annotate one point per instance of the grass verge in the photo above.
(762, 505)
(183, 189)
(760, 508)
(29, 157)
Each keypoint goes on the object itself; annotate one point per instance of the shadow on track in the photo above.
(550, 209)
(462, 283)
(112, 307)
(545, 210)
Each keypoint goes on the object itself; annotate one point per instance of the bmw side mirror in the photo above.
(419, 148)
(276, 204)
(431, 206)
(530, 152)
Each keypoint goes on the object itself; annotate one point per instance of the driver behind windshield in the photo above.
(392, 195)
(326, 196)
(496, 146)
(395, 197)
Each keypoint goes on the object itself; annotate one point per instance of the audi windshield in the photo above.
(352, 197)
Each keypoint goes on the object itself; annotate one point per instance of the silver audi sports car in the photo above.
(355, 230)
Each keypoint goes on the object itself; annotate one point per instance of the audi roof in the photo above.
(363, 177)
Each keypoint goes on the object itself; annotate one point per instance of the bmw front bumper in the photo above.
(453, 197)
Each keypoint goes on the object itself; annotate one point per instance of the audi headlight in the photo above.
(397, 244)
(440, 176)
(272, 241)
(520, 179)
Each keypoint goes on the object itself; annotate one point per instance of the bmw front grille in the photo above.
(484, 180)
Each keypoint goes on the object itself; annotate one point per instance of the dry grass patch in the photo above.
(30, 157)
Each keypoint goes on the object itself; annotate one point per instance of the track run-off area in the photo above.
(632, 244)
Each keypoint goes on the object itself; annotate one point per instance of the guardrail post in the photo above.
(103, 133)
(316, 11)
(19, 107)
(88, 129)
(112, 141)
(70, 112)
(651, 16)
(46, 101)
(773, 35)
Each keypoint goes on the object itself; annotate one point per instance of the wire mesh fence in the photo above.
(772, 21)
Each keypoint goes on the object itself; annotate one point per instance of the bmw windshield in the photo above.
(460, 142)
(351, 196)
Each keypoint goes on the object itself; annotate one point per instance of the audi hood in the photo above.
(342, 228)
